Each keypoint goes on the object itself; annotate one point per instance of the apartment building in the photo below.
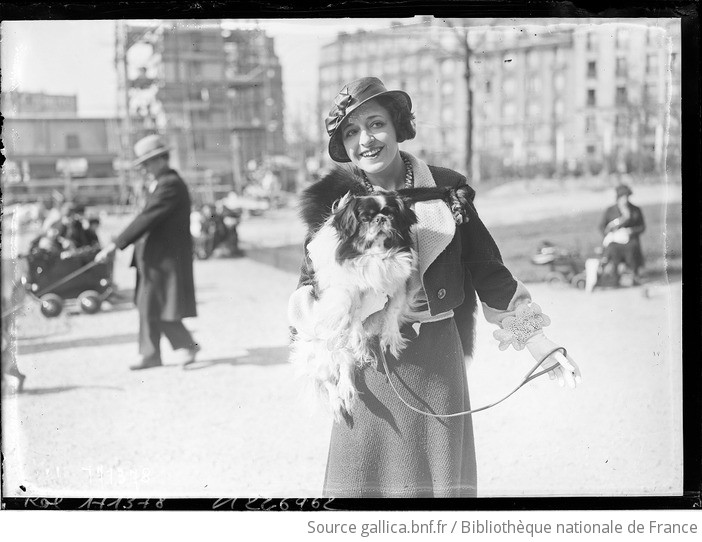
(549, 97)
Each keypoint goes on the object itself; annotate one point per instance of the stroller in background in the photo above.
(55, 279)
(566, 267)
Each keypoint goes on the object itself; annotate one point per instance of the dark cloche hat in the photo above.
(351, 97)
(623, 190)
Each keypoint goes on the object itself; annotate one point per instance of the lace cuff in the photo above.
(521, 320)
(516, 330)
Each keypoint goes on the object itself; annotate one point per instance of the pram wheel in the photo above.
(554, 278)
(51, 305)
(89, 301)
(579, 280)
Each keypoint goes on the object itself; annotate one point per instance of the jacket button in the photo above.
(441, 293)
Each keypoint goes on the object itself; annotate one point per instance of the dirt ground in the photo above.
(239, 424)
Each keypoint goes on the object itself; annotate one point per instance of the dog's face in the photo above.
(380, 221)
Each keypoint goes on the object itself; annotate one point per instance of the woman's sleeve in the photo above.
(505, 300)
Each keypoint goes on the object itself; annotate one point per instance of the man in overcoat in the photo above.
(163, 257)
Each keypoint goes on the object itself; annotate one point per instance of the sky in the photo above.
(77, 57)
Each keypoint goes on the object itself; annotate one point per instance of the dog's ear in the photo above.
(345, 220)
(406, 217)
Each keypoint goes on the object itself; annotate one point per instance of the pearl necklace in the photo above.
(409, 176)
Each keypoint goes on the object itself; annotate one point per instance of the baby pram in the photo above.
(565, 267)
(568, 267)
(57, 278)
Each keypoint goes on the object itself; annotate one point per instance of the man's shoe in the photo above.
(187, 355)
(146, 364)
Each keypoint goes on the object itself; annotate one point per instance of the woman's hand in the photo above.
(562, 367)
(566, 371)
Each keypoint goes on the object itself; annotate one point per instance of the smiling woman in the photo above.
(416, 442)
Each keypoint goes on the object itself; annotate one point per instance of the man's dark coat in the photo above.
(163, 250)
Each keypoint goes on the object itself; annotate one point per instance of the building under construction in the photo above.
(216, 93)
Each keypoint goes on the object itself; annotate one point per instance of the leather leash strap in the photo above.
(528, 377)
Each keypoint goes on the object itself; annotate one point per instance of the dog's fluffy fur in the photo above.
(360, 250)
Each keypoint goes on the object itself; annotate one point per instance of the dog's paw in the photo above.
(393, 342)
(340, 407)
(347, 393)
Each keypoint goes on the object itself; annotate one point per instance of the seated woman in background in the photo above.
(622, 225)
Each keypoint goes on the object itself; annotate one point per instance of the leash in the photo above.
(60, 282)
(527, 378)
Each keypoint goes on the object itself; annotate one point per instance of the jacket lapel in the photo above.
(436, 226)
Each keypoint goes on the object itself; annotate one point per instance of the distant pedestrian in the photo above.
(163, 257)
(622, 225)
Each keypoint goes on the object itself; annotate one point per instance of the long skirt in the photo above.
(389, 450)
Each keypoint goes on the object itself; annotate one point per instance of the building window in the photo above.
(559, 81)
(530, 133)
(621, 96)
(507, 134)
(487, 87)
(622, 38)
(591, 41)
(448, 67)
(532, 59)
(591, 150)
(448, 115)
(533, 109)
(410, 64)
(559, 108)
(534, 84)
(621, 69)
(591, 69)
(508, 86)
(72, 142)
(590, 124)
(591, 98)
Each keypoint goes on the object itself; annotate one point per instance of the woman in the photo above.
(390, 450)
(622, 225)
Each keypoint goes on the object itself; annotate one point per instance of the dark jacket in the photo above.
(163, 250)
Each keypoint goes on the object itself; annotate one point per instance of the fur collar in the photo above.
(435, 228)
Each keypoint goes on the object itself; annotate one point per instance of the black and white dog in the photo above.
(362, 257)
